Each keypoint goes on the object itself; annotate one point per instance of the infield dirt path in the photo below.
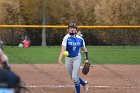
(46, 78)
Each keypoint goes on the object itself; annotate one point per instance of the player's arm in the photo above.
(84, 49)
(63, 48)
(4, 60)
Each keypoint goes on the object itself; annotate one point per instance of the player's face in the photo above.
(72, 30)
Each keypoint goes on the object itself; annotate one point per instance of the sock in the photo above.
(82, 82)
(77, 88)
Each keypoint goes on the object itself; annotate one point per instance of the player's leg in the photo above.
(79, 62)
(69, 66)
(76, 69)
(82, 82)
(75, 72)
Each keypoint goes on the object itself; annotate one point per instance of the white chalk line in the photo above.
(71, 86)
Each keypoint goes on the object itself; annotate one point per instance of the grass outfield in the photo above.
(97, 54)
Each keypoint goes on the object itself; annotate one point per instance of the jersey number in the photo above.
(74, 48)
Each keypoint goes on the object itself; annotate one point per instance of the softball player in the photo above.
(73, 43)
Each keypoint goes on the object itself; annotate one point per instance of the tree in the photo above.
(44, 23)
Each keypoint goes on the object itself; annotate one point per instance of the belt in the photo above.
(72, 56)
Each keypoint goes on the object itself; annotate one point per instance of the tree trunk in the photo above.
(44, 23)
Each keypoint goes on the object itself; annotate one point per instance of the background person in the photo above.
(79, 33)
(26, 43)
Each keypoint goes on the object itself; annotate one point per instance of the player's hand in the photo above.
(59, 63)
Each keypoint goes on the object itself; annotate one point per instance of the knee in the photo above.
(75, 79)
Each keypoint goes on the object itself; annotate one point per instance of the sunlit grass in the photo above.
(97, 54)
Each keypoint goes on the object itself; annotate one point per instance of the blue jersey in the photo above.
(73, 44)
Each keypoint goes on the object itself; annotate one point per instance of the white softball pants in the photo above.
(73, 67)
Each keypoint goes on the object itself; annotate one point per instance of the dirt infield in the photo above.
(44, 78)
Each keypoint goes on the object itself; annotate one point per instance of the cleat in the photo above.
(86, 87)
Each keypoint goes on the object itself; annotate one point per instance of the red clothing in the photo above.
(26, 43)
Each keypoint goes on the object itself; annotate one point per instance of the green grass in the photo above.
(114, 55)
(97, 54)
